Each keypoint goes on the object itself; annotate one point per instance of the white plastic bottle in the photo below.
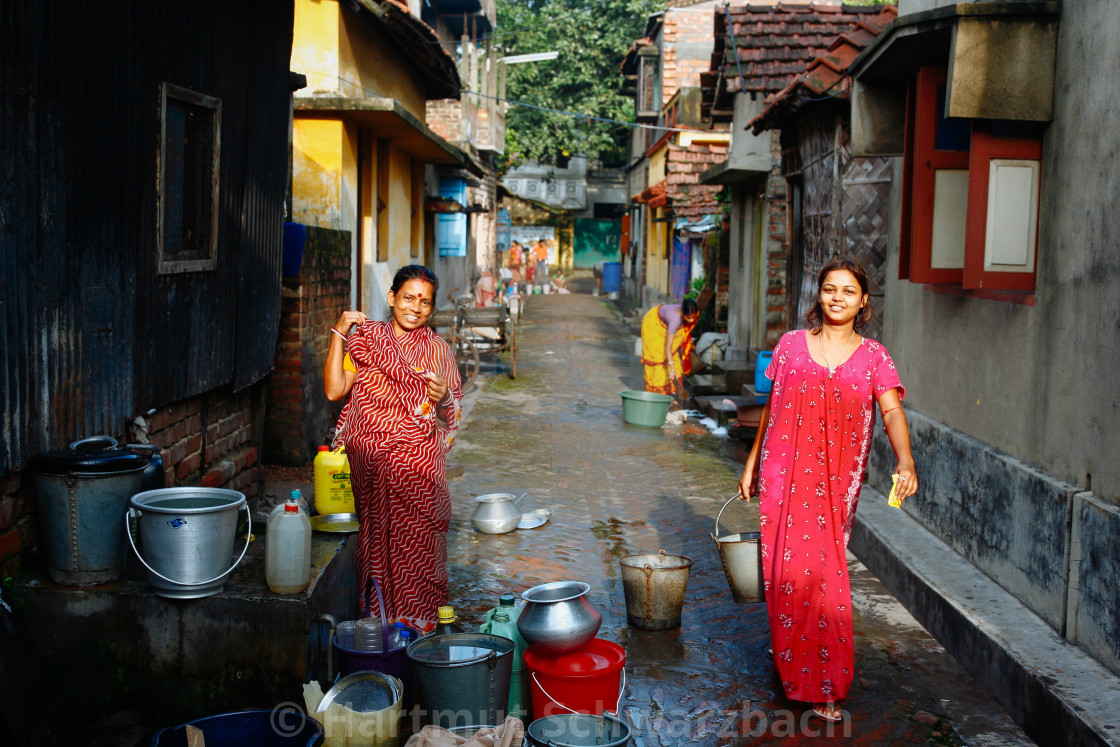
(287, 550)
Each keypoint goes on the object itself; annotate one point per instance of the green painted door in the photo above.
(595, 241)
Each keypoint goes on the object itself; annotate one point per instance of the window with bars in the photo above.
(190, 127)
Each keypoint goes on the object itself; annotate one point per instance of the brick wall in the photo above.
(299, 415)
(442, 117)
(203, 440)
(686, 49)
(777, 247)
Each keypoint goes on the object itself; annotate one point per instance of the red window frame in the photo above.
(927, 161)
(984, 148)
(921, 161)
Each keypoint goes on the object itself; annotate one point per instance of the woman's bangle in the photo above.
(891, 409)
(339, 334)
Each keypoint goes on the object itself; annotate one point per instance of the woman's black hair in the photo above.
(815, 315)
(689, 307)
(414, 272)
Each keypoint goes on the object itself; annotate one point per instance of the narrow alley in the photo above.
(614, 489)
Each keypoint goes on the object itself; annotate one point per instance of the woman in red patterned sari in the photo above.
(401, 418)
(806, 466)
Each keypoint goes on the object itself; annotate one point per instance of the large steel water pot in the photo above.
(496, 513)
(558, 618)
(83, 496)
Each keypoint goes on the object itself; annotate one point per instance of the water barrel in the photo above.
(83, 497)
(612, 277)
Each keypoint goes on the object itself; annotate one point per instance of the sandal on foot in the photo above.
(827, 712)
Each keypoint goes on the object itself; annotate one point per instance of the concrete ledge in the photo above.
(1054, 690)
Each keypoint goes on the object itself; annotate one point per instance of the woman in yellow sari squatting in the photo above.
(667, 344)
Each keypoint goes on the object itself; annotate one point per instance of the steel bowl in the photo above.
(558, 618)
(497, 526)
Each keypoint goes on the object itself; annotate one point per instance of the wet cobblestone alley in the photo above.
(556, 432)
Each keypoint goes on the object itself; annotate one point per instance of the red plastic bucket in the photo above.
(589, 680)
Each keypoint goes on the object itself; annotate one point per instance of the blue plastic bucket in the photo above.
(612, 277)
(761, 383)
(275, 728)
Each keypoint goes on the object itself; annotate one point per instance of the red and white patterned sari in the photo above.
(397, 444)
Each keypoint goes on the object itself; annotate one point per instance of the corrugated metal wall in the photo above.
(91, 333)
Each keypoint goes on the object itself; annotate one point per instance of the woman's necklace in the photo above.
(820, 342)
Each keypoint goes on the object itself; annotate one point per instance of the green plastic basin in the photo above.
(645, 408)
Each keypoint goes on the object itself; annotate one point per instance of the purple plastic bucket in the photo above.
(392, 662)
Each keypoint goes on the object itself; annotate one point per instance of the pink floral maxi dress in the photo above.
(814, 458)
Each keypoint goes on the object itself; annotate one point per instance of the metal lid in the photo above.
(105, 461)
(364, 692)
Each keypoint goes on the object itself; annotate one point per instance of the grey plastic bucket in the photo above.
(654, 586)
(461, 679)
(578, 730)
(188, 535)
(741, 555)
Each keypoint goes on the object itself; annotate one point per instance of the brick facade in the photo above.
(691, 29)
(777, 248)
(442, 117)
(299, 415)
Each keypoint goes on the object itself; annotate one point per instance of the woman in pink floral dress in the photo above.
(806, 466)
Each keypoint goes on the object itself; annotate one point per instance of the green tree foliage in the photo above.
(592, 37)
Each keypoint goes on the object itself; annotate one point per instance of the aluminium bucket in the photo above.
(654, 585)
(460, 679)
(188, 536)
(578, 730)
(741, 555)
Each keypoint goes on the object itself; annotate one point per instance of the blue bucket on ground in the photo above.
(275, 728)
(612, 277)
(761, 383)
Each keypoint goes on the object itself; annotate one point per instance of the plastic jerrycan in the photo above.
(333, 494)
(502, 620)
(287, 550)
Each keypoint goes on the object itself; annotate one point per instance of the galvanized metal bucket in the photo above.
(461, 679)
(188, 534)
(654, 586)
(742, 560)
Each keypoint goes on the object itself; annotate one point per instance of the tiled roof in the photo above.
(826, 75)
(773, 44)
(687, 198)
(680, 192)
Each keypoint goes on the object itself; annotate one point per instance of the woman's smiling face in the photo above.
(841, 296)
(412, 305)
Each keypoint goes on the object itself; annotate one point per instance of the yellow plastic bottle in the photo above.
(333, 494)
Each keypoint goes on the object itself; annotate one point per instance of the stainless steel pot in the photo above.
(558, 618)
(496, 513)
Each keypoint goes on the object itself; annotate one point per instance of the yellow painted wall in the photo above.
(656, 167)
(657, 263)
(343, 53)
(348, 54)
(318, 147)
(369, 61)
(315, 42)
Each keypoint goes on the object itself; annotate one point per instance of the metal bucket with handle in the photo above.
(742, 560)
